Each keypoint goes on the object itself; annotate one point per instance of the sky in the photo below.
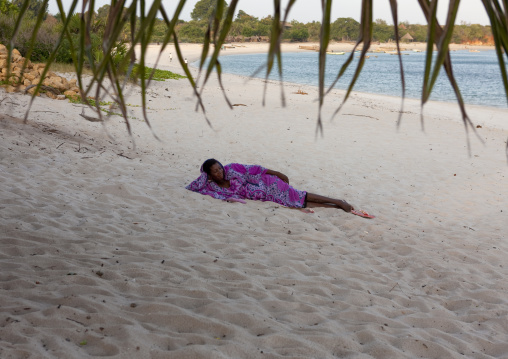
(470, 11)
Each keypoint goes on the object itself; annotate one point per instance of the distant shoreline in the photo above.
(192, 51)
(407, 46)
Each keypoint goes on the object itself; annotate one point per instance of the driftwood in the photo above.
(351, 114)
(46, 88)
(306, 47)
(89, 118)
(8, 98)
(122, 155)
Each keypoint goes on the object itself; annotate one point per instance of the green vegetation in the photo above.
(34, 7)
(67, 67)
(92, 102)
(89, 101)
(49, 30)
(8, 8)
(158, 75)
(204, 10)
(245, 27)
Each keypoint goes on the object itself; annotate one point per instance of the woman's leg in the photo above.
(315, 200)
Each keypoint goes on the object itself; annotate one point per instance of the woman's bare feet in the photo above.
(315, 200)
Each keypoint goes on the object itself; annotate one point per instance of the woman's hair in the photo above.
(207, 165)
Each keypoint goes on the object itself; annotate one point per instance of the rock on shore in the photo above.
(22, 76)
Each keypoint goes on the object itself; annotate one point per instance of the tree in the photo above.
(103, 12)
(267, 20)
(242, 16)
(247, 31)
(262, 29)
(74, 24)
(345, 29)
(419, 32)
(247, 25)
(476, 33)
(298, 32)
(314, 29)
(236, 29)
(34, 7)
(192, 31)
(7, 7)
(382, 31)
(204, 9)
(159, 31)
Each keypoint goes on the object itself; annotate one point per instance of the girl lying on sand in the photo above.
(236, 182)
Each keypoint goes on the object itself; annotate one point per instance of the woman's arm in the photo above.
(278, 174)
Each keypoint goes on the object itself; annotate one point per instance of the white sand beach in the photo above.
(104, 253)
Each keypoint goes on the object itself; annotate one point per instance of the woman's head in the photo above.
(213, 169)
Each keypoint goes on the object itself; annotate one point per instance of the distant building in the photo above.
(286, 25)
(407, 38)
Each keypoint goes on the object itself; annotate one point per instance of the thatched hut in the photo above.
(407, 38)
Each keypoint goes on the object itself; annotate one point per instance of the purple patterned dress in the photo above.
(250, 182)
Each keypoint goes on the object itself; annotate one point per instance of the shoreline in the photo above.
(480, 115)
(262, 47)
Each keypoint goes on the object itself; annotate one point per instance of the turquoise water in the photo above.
(477, 74)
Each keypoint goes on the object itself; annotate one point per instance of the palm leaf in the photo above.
(277, 51)
(441, 38)
(365, 38)
(17, 25)
(499, 20)
(189, 76)
(498, 16)
(219, 39)
(274, 50)
(49, 61)
(169, 23)
(393, 7)
(326, 7)
(444, 41)
(430, 10)
(38, 24)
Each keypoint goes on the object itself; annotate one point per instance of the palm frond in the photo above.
(50, 59)
(189, 76)
(17, 26)
(219, 39)
(395, 17)
(441, 38)
(499, 21)
(326, 6)
(365, 38)
(274, 49)
(38, 24)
